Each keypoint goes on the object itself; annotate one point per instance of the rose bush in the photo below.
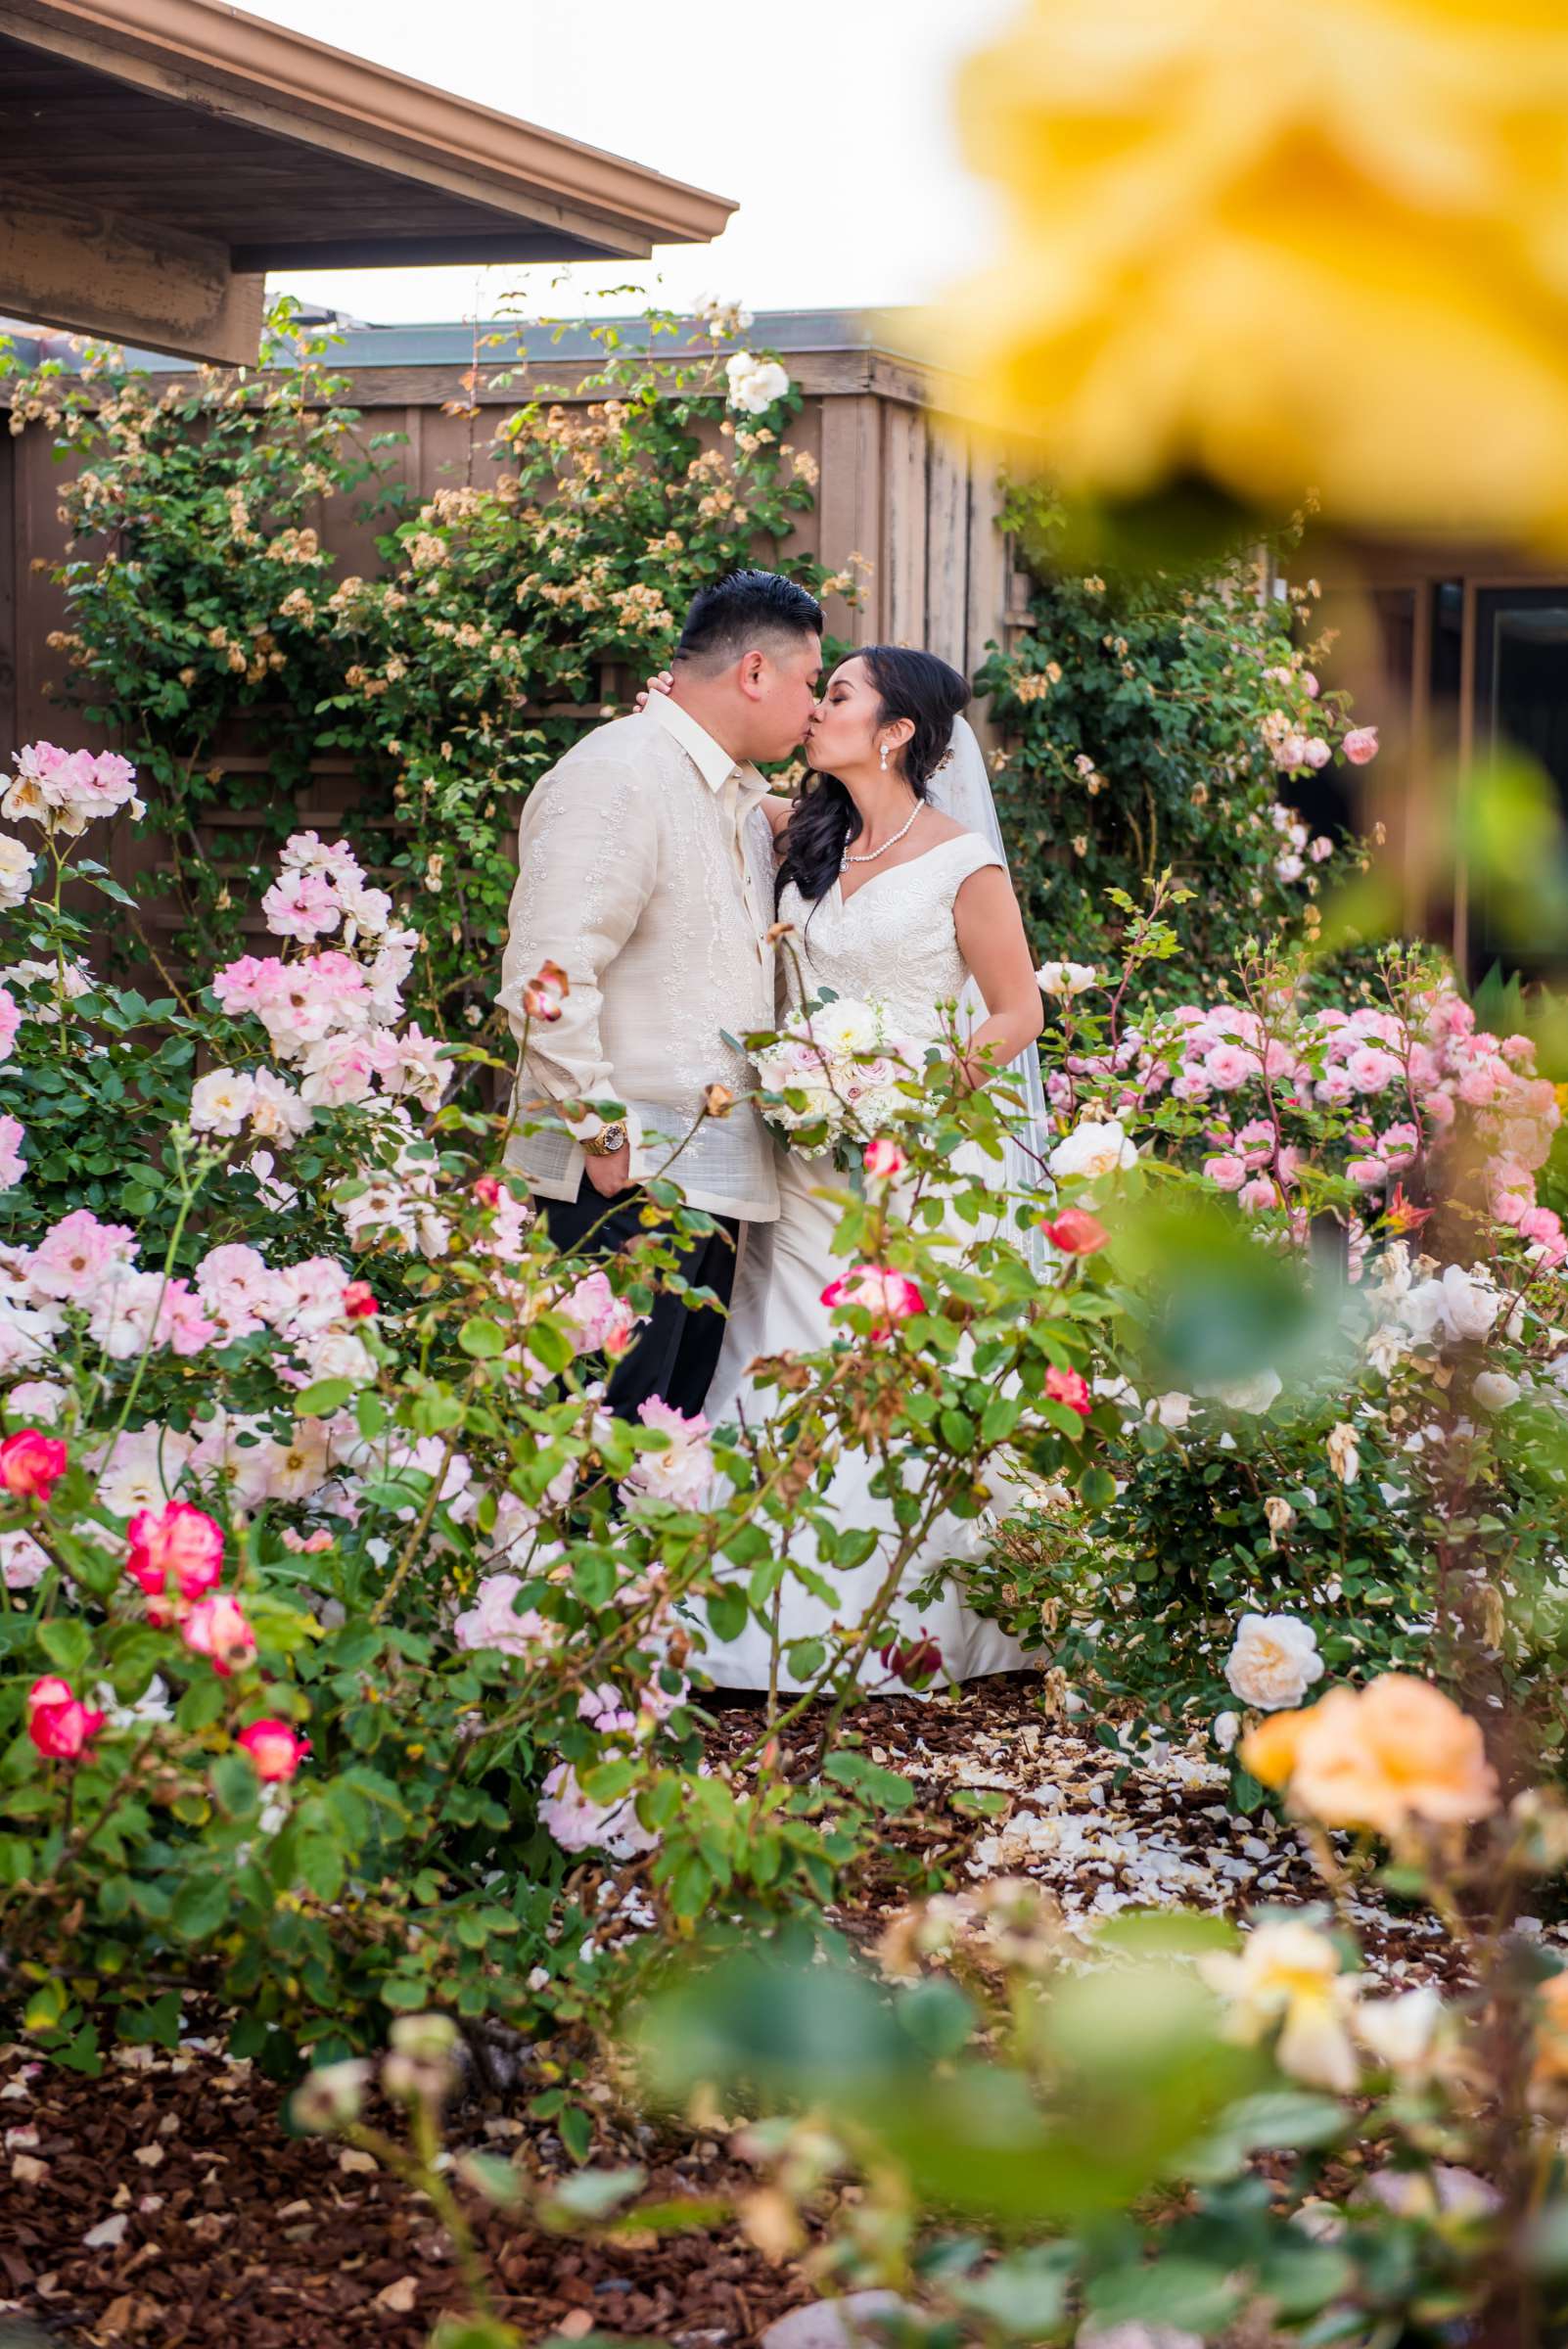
(1157, 722)
(352, 1653)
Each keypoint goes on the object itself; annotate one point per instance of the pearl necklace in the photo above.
(872, 855)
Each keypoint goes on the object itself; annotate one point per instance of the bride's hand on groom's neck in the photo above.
(662, 683)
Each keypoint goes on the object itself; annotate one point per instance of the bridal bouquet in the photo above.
(835, 1067)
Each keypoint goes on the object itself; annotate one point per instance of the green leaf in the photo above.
(235, 1785)
(481, 1337)
(1098, 1486)
(883, 1787)
(548, 1343)
(200, 1906)
(67, 1642)
(403, 1995)
(575, 2127)
(320, 1401)
(593, 2193)
(370, 1415)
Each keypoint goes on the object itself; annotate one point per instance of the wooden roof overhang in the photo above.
(161, 156)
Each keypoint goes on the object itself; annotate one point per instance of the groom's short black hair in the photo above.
(749, 608)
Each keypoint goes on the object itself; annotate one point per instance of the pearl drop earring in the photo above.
(883, 758)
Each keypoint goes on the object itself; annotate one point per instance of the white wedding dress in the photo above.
(895, 940)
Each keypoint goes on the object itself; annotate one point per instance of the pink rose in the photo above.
(179, 1544)
(887, 1296)
(1227, 1169)
(884, 1161)
(31, 1463)
(1068, 1387)
(218, 1627)
(1075, 1232)
(60, 1725)
(1361, 746)
(275, 1748)
(1258, 1194)
(1371, 1071)
(1369, 1173)
(1230, 1066)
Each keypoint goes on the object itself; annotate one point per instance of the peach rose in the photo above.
(1396, 1751)
(1269, 1747)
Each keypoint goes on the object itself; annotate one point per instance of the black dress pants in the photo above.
(676, 1349)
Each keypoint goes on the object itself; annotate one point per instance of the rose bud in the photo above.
(31, 1463)
(488, 1190)
(330, 2097)
(359, 1301)
(1360, 745)
(916, 1660)
(718, 1101)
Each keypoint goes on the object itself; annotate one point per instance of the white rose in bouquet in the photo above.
(841, 1066)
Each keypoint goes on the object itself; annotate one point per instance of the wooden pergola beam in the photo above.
(95, 272)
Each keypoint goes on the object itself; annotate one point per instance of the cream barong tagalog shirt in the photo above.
(645, 870)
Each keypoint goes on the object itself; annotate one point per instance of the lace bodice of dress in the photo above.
(893, 941)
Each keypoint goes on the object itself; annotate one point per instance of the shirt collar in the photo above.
(712, 760)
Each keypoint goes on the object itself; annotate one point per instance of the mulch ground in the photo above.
(221, 2230)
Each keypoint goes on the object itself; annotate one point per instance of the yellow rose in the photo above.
(1280, 247)
(1396, 1751)
(1268, 1749)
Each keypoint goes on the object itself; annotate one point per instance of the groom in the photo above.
(644, 871)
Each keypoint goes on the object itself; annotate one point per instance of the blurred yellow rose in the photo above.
(1268, 1749)
(1396, 1751)
(1279, 248)
(1288, 1974)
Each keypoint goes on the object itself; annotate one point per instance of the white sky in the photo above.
(827, 120)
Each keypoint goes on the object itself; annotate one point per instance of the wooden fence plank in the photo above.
(903, 546)
(947, 545)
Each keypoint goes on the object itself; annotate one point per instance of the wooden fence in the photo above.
(898, 486)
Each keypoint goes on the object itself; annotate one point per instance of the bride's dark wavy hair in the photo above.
(909, 684)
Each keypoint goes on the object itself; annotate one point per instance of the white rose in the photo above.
(1401, 2032)
(1065, 978)
(220, 1103)
(1454, 1305)
(16, 872)
(1273, 1662)
(845, 1026)
(1168, 1410)
(1226, 1729)
(1093, 1148)
(1494, 1390)
(755, 383)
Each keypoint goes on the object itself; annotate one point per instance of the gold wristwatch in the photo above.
(607, 1141)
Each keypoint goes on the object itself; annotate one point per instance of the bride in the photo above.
(890, 896)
